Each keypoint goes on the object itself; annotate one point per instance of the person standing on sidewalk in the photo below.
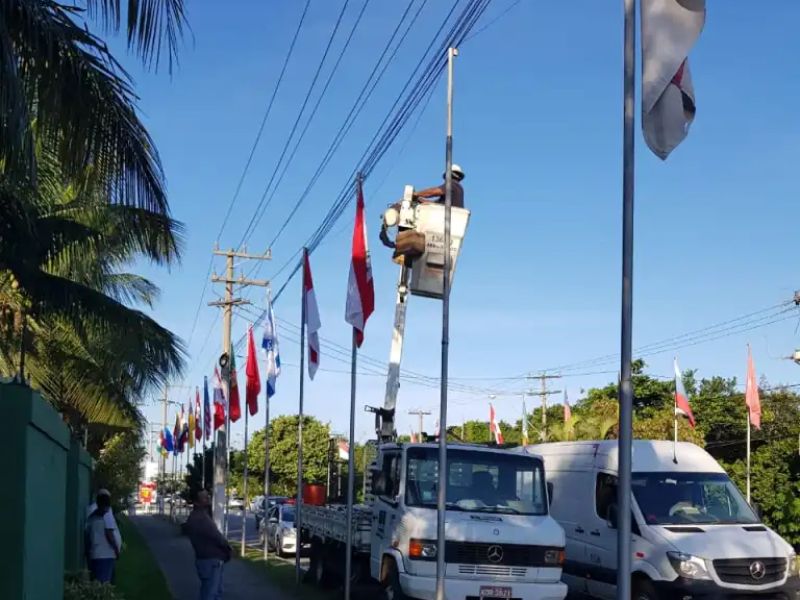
(211, 549)
(103, 540)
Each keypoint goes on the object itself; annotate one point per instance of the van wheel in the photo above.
(643, 589)
(391, 585)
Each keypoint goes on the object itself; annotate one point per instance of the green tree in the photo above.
(118, 467)
(283, 454)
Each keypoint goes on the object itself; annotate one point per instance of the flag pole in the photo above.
(441, 504)
(266, 473)
(748, 457)
(300, 420)
(626, 389)
(203, 429)
(348, 559)
(244, 485)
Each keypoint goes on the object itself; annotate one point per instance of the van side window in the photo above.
(605, 494)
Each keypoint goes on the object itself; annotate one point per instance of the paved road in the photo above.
(235, 534)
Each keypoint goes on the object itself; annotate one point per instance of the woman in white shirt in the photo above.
(103, 540)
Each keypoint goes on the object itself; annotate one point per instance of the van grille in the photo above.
(511, 555)
(746, 571)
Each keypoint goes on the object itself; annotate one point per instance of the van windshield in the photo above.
(690, 498)
(488, 482)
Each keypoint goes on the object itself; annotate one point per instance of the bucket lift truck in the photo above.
(501, 541)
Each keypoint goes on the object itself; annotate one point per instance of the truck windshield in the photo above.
(478, 481)
(690, 498)
(287, 515)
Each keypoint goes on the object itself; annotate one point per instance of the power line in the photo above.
(310, 119)
(247, 166)
(261, 202)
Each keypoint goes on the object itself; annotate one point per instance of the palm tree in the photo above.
(66, 297)
(60, 87)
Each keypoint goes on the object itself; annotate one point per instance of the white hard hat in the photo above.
(458, 173)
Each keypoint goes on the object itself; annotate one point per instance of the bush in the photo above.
(78, 587)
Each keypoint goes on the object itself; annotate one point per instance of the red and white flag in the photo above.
(198, 427)
(252, 384)
(360, 290)
(670, 29)
(567, 409)
(682, 406)
(344, 450)
(312, 317)
(751, 393)
(494, 426)
(413, 438)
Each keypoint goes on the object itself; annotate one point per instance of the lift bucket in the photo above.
(427, 271)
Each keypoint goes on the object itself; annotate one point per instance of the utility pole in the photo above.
(421, 414)
(543, 393)
(220, 505)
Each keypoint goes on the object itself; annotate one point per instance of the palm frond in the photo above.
(82, 102)
(151, 25)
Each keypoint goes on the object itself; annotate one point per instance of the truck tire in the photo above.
(279, 547)
(643, 589)
(391, 585)
(318, 565)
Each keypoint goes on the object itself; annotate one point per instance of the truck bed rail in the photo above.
(330, 522)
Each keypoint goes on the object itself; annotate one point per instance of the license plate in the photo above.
(494, 591)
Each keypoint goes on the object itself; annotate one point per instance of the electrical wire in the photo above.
(248, 163)
(251, 224)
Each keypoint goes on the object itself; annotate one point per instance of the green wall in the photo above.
(32, 497)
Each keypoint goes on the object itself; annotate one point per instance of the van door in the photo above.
(601, 540)
(569, 505)
(385, 508)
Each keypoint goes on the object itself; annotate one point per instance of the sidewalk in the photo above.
(175, 556)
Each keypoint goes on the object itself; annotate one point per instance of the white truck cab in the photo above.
(694, 535)
(501, 540)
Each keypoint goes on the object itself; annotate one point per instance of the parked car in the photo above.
(258, 513)
(280, 530)
(236, 502)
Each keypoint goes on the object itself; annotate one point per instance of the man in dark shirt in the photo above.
(211, 549)
(437, 193)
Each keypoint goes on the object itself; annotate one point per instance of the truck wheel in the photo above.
(643, 589)
(392, 589)
(279, 547)
(318, 567)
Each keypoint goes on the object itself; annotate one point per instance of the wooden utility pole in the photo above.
(543, 393)
(421, 414)
(221, 451)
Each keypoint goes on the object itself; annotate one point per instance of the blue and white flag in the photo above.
(270, 344)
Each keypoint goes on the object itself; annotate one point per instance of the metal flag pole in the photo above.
(348, 559)
(626, 389)
(441, 504)
(203, 430)
(675, 417)
(266, 476)
(298, 507)
(748, 457)
(244, 485)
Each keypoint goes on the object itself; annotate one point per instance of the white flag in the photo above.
(670, 29)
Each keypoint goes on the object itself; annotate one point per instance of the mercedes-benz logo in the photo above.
(495, 554)
(757, 570)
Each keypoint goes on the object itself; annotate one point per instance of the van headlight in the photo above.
(686, 565)
(794, 566)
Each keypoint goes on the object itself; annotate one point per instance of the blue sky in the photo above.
(538, 132)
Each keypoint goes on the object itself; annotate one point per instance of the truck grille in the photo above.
(509, 555)
(492, 570)
(750, 571)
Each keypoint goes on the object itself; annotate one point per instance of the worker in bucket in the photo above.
(437, 193)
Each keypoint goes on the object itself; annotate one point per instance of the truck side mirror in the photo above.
(550, 492)
(612, 518)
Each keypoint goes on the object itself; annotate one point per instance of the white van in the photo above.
(694, 535)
